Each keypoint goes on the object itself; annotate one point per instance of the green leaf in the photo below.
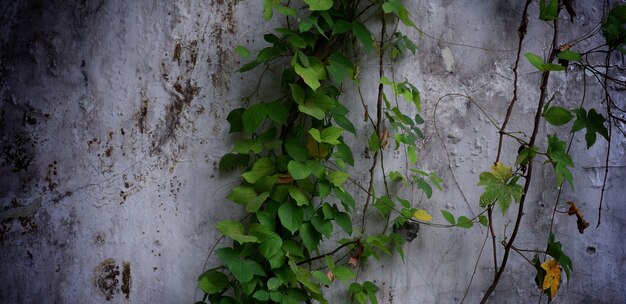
(331, 135)
(227, 255)
(277, 111)
(310, 237)
(448, 216)
(337, 178)
(362, 35)
(253, 117)
(344, 221)
(268, 54)
(246, 146)
(305, 26)
(396, 7)
(261, 295)
(613, 27)
(286, 11)
(291, 217)
(422, 184)
(298, 170)
(569, 55)
(320, 276)
(384, 204)
(235, 231)
(271, 243)
(340, 67)
(242, 51)
(325, 227)
(267, 9)
(243, 270)
(374, 143)
(343, 273)
(319, 5)
(297, 93)
(273, 283)
(256, 204)
(298, 195)
(560, 160)
(316, 134)
(396, 176)
(344, 123)
(262, 167)
(483, 220)
(313, 74)
(553, 67)
(548, 11)
(535, 61)
(558, 116)
(346, 199)
(322, 101)
(212, 281)
(298, 42)
(555, 250)
(593, 122)
(464, 222)
(526, 155)
(343, 152)
(235, 120)
(411, 154)
(249, 66)
(542, 66)
(499, 187)
(242, 195)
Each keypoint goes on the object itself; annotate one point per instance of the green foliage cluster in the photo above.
(293, 148)
(296, 161)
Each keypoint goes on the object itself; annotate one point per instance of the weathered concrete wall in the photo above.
(113, 121)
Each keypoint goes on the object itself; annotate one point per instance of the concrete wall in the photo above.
(113, 119)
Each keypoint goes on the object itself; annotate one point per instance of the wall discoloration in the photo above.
(113, 113)
(126, 280)
(106, 280)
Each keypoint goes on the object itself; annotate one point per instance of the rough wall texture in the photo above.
(113, 120)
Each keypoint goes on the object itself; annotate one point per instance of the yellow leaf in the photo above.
(501, 171)
(317, 150)
(553, 277)
(422, 215)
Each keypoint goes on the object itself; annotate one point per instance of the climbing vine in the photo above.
(293, 147)
(303, 230)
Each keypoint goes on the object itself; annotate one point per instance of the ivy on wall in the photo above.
(296, 188)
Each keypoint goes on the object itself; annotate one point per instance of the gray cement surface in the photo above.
(113, 119)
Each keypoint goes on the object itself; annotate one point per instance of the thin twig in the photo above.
(475, 267)
(521, 31)
(379, 113)
(321, 256)
(608, 150)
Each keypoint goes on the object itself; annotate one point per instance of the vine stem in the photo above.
(608, 150)
(520, 213)
(379, 113)
(321, 256)
(521, 31)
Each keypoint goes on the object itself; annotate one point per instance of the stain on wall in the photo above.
(112, 121)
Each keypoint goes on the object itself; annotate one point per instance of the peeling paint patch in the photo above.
(106, 278)
(126, 280)
(448, 59)
(22, 211)
(17, 153)
(182, 96)
(142, 114)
